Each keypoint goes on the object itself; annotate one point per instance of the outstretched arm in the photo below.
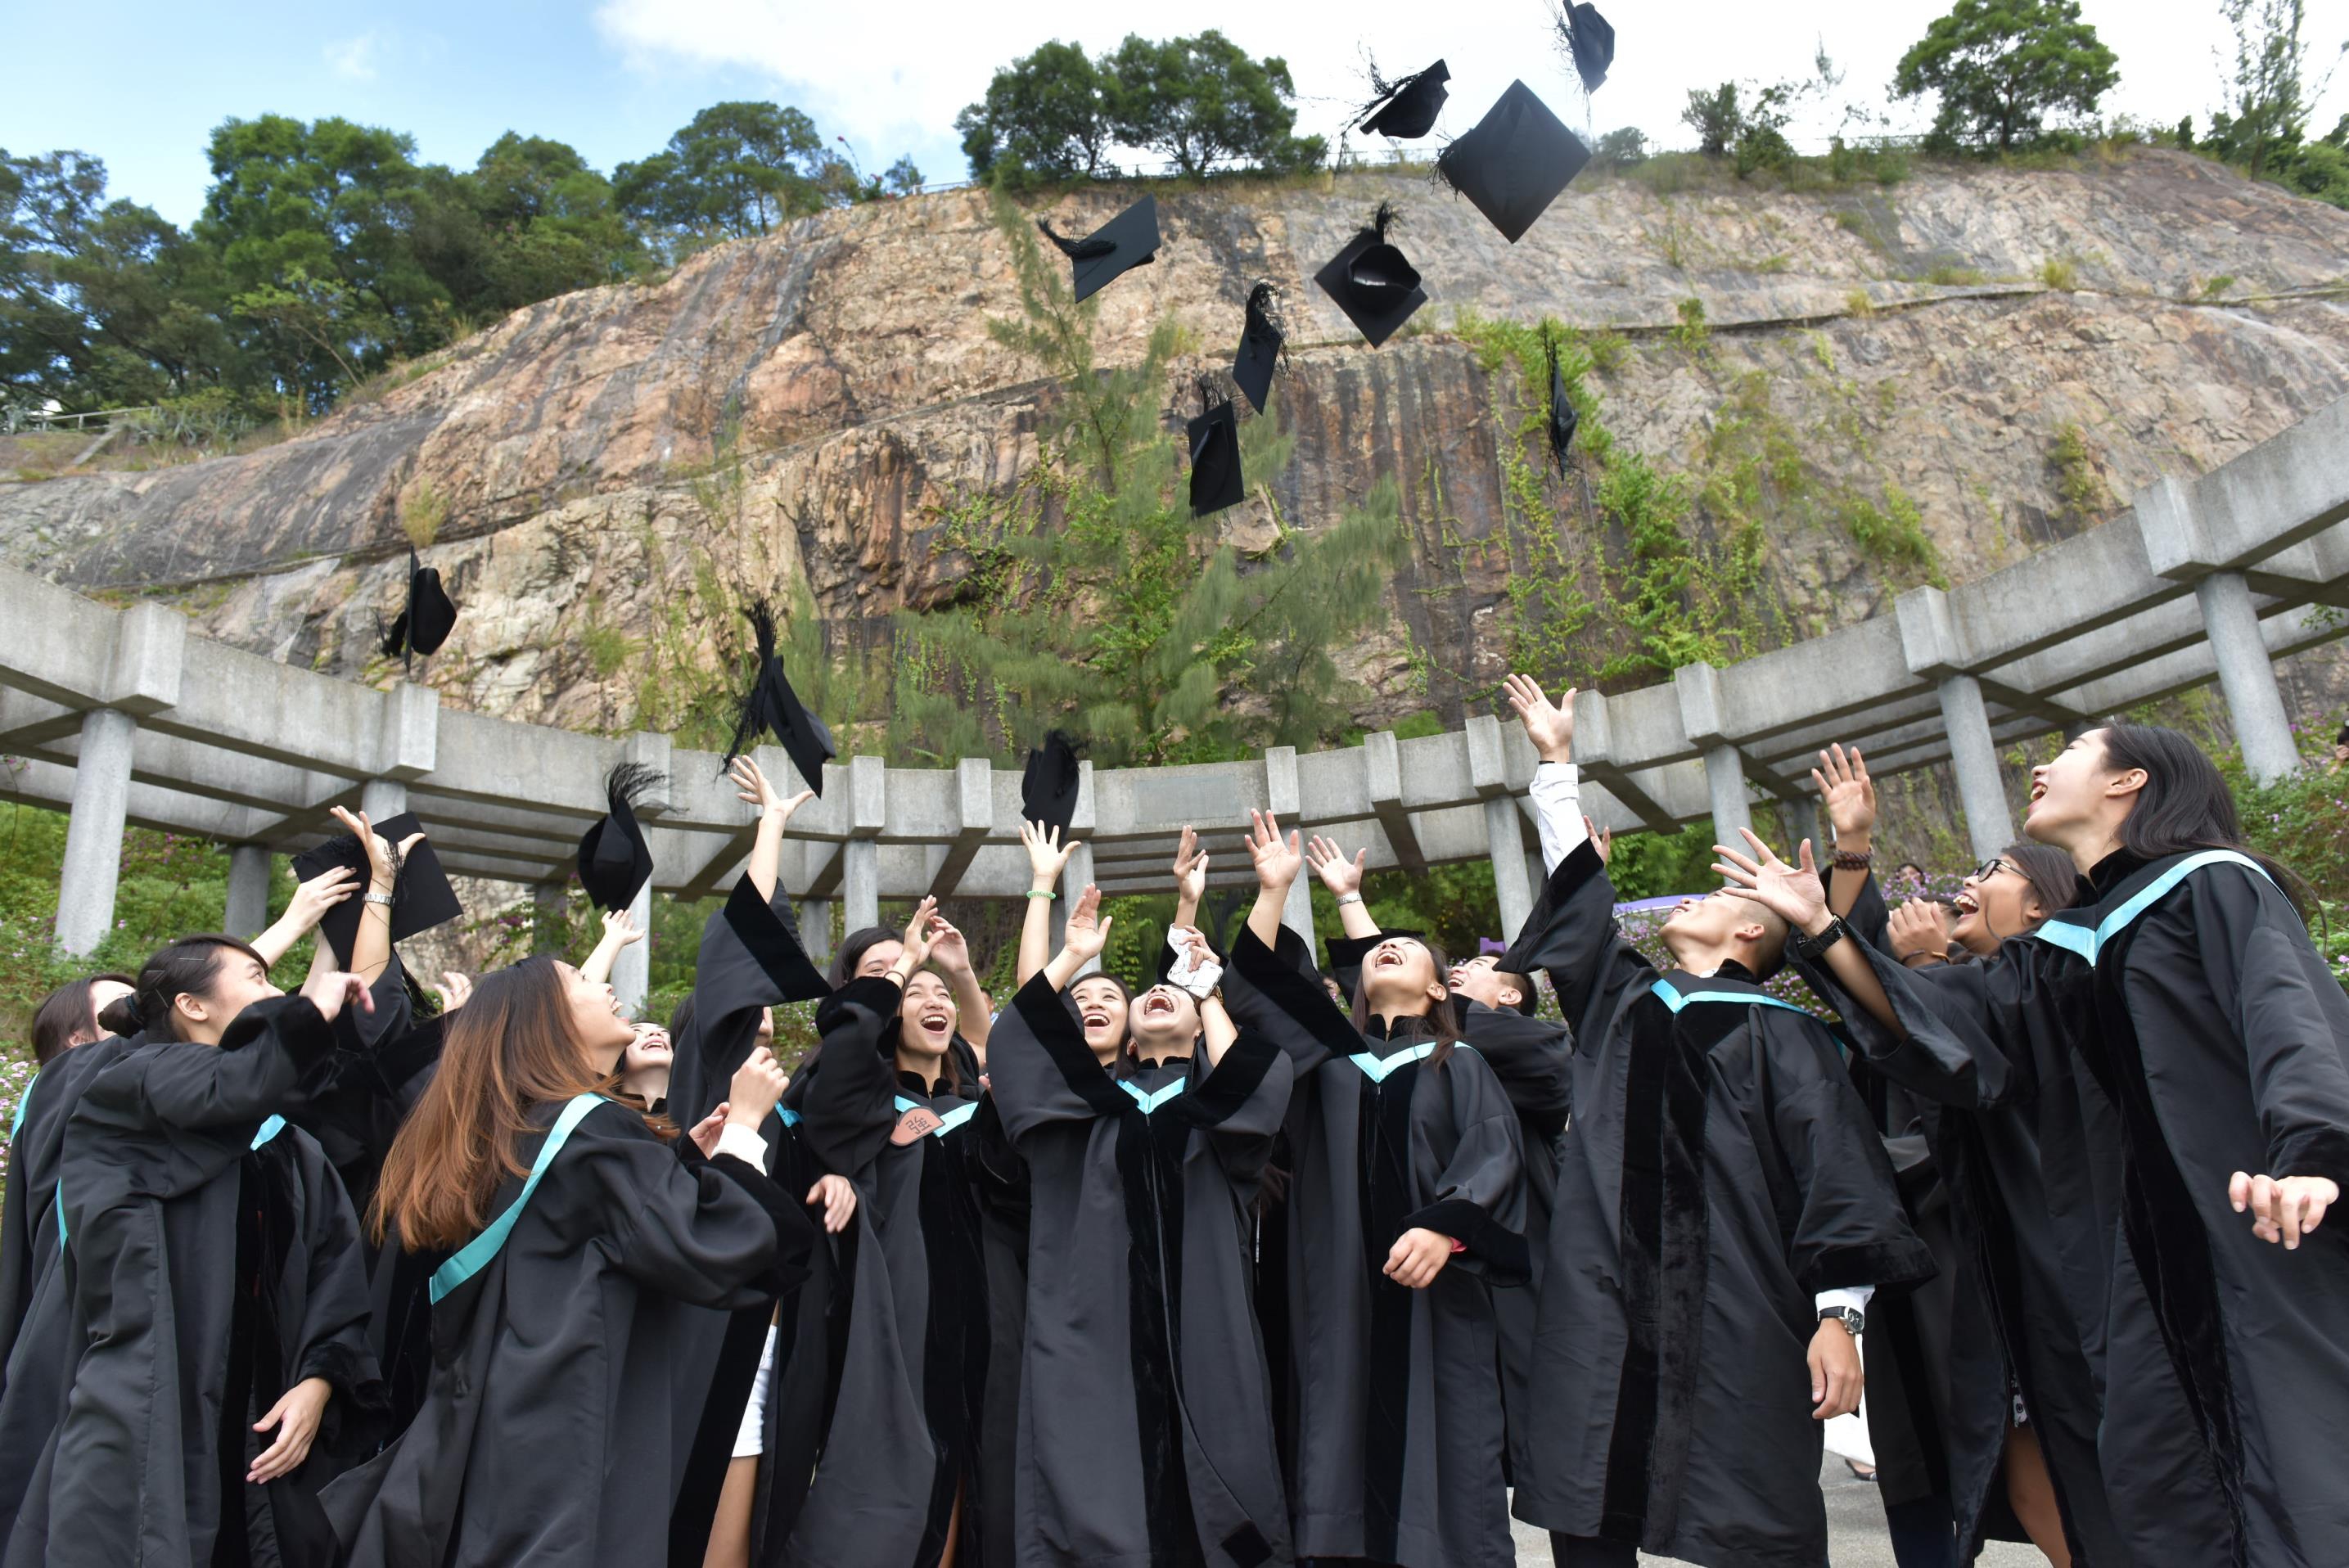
(619, 931)
(1343, 878)
(309, 904)
(1795, 895)
(951, 954)
(752, 789)
(1278, 862)
(1047, 857)
(1849, 796)
(1190, 877)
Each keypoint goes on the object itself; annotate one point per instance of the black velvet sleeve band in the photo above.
(1220, 1095)
(770, 940)
(1046, 1013)
(2316, 1152)
(794, 1232)
(1500, 1255)
(1275, 971)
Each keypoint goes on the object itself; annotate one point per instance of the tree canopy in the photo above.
(2004, 66)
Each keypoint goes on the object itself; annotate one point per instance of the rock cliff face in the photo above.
(2001, 356)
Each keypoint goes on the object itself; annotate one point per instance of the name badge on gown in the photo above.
(915, 1124)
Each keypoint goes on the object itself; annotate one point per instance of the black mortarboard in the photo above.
(1515, 163)
(614, 859)
(1372, 281)
(427, 617)
(1406, 108)
(1047, 789)
(1128, 241)
(422, 897)
(1590, 39)
(1562, 416)
(1215, 481)
(1262, 345)
(770, 704)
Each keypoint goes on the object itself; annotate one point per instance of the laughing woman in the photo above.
(889, 1101)
(1407, 1202)
(578, 1229)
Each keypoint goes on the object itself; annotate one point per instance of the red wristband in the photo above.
(1457, 1244)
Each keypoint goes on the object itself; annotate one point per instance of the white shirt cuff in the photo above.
(744, 1145)
(1855, 1296)
(1557, 811)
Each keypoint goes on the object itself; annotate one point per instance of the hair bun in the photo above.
(121, 1015)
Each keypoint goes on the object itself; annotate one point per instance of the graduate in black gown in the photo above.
(746, 1459)
(1142, 1190)
(1725, 1211)
(1954, 1464)
(1493, 1011)
(888, 1102)
(576, 1229)
(1406, 1206)
(2188, 1054)
(217, 1370)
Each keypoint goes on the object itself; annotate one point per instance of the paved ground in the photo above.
(1856, 1536)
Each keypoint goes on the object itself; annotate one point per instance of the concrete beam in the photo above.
(1382, 780)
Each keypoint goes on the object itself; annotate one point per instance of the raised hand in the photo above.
(1549, 725)
(1919, 928)
(621, 930)
(2283, 1208)
(1088, 928)
(1277, 860)
(1602, 838)
(313, 898)
(758, 1084)
(1046, 856)
(1847, 793)
(1339, 874)
(948, 949)
(752, 788)
(330, 990)
(454, 990)
(1793, 893)
(383, 861)
(1190, 869)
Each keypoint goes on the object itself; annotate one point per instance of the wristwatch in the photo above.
(1851, 1317)
(1811, 949)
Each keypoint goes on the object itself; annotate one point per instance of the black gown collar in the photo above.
(2109, 874)
(1409, 1027)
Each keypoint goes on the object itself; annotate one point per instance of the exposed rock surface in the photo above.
(842, 371)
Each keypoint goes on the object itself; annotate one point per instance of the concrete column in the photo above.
(860, 883)
(1724, 775)
(2247, 676)
(815, 930)
(632, 971)
(248, 890)
(101, 800)
(549, 901)
(383, 799)
(1506, 839)
(1973, 757)
(1075, 876)
(1298, 912)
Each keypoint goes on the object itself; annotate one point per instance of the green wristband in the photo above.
(1041, 893)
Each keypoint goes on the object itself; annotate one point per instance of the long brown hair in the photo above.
(507, 1050)
(1439, 1018)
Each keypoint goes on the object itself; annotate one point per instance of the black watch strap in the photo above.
(1811, 949)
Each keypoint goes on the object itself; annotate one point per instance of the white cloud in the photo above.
(354, 59)
(893, 76)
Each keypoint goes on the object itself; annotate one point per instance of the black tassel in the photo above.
(395, 640)
(1265, 321)
(630, 782)
(754, 717)
(1562, 416)
(1384, 219)
(1381, 90)
(1076, 250)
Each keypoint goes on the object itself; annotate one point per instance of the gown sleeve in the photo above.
(1572, 933)
(1849, 1229)
(1039, 1067)
(2290, 1016)
(716, 1234)
(751, 959)
(331, 1340)
(1275, 991)
(850, 1102)
(1240, 1103)
(1476, 1194)
(1533, 1059)
(1955, 1016)
(1871, 918)
(257, 1072)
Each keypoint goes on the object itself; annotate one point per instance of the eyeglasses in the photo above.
(1990, 868)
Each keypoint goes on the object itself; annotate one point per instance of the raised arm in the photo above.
(1343, 878)
(1278, 862)
(1557, 805)
(1848, 794)
(620, 930)
(951, 952)
(371, 947)
(1047, 857)
(1190, 877)
(752, 789)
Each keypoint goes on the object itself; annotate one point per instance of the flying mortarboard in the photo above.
(427, 617)
(1562, 416)
(1372, 281)
(1262, 345)
(1216, 479)
(1406, 109)
(422, 897)
(770, 705)
(614, 859)
(1128, 241)
(1048, 788)
(1515, 163)
(1590, 39)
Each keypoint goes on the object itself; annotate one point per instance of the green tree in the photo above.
(1045, 116)
(1203, 101)
(1714, 117)
(737, 169)
(2271, 92)
(549, 224)
(1096, 599)
(2002, 66)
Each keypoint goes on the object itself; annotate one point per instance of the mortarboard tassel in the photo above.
(753, 716)
(1562, 416)
(1265, 325)
(1076, 250)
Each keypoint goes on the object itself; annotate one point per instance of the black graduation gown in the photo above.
(905, 1410)
(36, 1302)
(1719, 1173)
(2176, 1026)
(1397, 1432)
(751, 959)
(545, 1437)
(1142, 1191)
(214, 1262)
(366, 1088)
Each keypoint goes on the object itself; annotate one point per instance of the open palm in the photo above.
(1792, 893)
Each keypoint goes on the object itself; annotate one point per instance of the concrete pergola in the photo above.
(125, 715)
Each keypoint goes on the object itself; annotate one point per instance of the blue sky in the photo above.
(141, 85)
